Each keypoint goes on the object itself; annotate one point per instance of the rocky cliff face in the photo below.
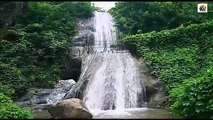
(78, 52)
(154, 88)
(79, 48)
(84, 37)
(155, 95)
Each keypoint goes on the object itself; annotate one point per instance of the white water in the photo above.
(114, 81)
(115, 88)
(116, 84)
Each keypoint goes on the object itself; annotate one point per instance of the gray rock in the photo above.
(34, 96)
(77, 90)
(70, 108)
(65, 83)
(155, 94)
(44, 114)
(59, 92)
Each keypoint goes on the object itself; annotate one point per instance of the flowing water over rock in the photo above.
(59, 92)
(116, 83)
(40, 99)
(111, 84)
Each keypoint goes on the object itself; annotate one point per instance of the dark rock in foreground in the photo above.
(70, 108)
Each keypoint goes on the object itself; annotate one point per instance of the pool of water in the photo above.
(133, 113)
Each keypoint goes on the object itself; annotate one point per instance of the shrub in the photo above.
(194, 96)
(34, 49)
(6, 90)
(183, 59)
(10, 110)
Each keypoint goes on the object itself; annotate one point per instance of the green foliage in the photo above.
(141, 17)
(6, 90)
(173, 66)
(4, 99)
(33, 51)
(10, 110)
(194, 97)
(183, 59)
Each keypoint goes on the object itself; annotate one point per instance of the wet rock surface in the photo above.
(155, 95)
(60, 91)
(89, 66)
(78, 48)
(34, 97)
(83, 38)
(40, 99)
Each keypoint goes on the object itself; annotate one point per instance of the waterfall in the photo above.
(112, 82)
(116, 83)
(110, 78)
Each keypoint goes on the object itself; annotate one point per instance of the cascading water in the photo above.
(111, 84)
(117, 83)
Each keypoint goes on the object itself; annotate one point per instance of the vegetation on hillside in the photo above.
(35, 37)
(10, 110)
(175, 41)
(177, 45)
(140, 17)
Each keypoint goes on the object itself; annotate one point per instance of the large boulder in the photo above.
(70, 108)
